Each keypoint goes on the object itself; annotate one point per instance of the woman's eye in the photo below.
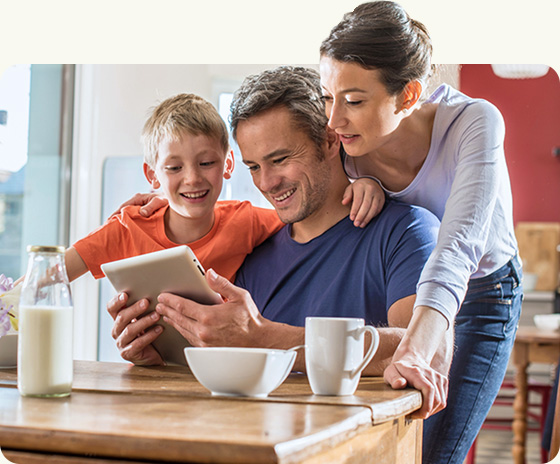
(326, 98)
(354, 102)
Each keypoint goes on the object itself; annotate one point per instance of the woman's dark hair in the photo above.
(380, 35)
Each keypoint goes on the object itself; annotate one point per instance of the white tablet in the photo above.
(175, 270)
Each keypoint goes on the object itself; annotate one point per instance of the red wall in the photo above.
(531, 110)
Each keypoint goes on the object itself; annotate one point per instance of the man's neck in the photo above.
(331, 213)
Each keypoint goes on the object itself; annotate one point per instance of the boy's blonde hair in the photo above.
(182, 113)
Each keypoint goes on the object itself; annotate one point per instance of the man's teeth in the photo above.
(289, 193)
(194, 195)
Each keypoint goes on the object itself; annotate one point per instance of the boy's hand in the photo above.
(134, 335)
(367, 199)
(150, 203)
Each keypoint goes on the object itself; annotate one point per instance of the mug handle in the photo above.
(372, 349)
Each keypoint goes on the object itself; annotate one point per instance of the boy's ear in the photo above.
(229, 164)
(151, 176)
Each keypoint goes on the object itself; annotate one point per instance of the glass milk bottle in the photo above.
(45, 325)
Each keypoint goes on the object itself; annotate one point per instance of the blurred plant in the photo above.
(9, 304)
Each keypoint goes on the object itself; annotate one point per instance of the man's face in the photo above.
(286, 166)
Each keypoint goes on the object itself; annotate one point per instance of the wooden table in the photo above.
(531, 345)
(122, 412)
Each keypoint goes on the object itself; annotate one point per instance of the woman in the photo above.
(445, 154)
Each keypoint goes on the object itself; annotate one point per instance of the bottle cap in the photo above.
(45, 249)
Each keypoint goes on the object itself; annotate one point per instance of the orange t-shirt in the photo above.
(238, 228)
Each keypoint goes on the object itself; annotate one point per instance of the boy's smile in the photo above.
(190, 172)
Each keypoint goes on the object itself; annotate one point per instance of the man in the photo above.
(319, 264)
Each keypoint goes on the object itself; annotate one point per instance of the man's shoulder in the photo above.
(395, 210)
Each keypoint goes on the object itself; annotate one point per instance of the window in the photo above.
(34, 159)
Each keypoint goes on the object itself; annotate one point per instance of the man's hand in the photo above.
(236, 322)
(150, 203)
(134, 335)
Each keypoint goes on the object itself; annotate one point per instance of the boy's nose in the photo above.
(192, 176)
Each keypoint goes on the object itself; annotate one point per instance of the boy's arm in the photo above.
(367, 199)
(75, 265)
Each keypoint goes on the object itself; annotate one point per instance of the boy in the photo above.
(186, 153)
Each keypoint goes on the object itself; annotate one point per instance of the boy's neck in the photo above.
(182, 230)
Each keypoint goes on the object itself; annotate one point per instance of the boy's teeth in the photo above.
(194, 195)
(286, 195)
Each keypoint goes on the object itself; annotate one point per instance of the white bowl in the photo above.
(240, 371)
(8, 350)
(549, 322)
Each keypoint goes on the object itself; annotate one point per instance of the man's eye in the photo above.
(279, 160)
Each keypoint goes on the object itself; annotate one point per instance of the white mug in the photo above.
(334, 353)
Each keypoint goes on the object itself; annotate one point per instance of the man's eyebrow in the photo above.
(273, 154)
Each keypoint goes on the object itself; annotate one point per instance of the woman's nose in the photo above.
(336, 115)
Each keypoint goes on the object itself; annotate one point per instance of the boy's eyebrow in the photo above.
(273, 154)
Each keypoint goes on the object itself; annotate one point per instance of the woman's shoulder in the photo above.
(455, 104)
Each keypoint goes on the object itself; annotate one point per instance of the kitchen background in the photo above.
(70, 153)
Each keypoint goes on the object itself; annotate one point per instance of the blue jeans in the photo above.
(485, 329)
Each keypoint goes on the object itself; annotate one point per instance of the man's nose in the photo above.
(267, 180)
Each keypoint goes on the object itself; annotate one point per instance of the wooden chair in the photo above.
(555, 443)
(535, 411)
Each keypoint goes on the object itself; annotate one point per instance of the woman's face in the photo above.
(359, 108)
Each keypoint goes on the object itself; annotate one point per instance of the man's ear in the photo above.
(150, 174)
(410, 95)
(229, 165)
(333, 142)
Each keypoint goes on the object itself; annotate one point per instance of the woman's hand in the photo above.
(367, 199)
(150, 203)
(422, 360)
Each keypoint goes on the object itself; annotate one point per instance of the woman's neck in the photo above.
(397, 164)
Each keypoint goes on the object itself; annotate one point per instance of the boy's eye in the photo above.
(207, 163)
(172, 168)
(253, 167)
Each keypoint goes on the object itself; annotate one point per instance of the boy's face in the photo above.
(190, 172)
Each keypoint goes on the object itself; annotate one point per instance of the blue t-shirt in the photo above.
(346, 271)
